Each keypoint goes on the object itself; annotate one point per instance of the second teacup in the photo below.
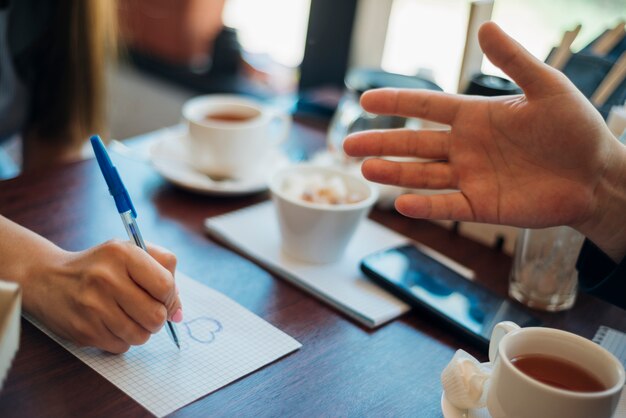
(231, 136)
(545, 372)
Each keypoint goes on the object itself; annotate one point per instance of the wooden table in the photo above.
(342, 369)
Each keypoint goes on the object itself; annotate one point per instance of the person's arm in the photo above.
(111, 296)
(599, 275)
(606, 224)
(535, 160)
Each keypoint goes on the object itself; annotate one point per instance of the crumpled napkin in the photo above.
(465, 381)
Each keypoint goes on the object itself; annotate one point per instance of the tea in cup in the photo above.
(545, 372)
(319, 209)
(232, 136)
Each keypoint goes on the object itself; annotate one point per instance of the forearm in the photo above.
(606, 227)
(23, 255)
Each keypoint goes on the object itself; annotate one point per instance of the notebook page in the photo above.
(220, 342)
(254, 230)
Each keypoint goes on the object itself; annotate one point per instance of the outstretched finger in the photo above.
(399, 143)
(531, 74)
(450, 206)
(428, 175)
(425, 104)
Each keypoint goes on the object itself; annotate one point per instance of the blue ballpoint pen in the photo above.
(124, 207)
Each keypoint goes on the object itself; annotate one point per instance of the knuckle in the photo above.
(80, 333)
(157, 318)
(99, 277)
(160, 316)
(116, 347)
(89, 304)
(170, 260)
(141, 337)
(169, 287)
(133, 337)
(133, 334)
(165, 287)
(424, 106)
(115, 248)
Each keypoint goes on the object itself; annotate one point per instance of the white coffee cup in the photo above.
(314, 232)
(232, 136)
(512, 393)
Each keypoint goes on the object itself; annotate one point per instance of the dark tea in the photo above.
(557, 372)
(228, 117)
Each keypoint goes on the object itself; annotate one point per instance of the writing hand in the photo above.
(111, 296)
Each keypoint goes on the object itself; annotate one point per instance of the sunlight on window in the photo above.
(273, 27)
(539, 24)
(430, 34)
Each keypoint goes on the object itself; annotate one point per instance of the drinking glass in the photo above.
(544, 272)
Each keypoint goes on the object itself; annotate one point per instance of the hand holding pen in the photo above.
(156, 289)
(110, 296)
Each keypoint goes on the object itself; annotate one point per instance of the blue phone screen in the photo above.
(424, 282)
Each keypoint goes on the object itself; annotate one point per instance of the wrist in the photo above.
(29, 260)
(606, 226)
(42, 276)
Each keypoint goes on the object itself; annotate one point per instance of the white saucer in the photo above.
(451, 411)
(168, 158)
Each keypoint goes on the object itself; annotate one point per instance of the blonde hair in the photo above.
(68, 100)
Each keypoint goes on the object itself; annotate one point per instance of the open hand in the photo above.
(532, 160)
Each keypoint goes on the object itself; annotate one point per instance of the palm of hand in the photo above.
(511, 158)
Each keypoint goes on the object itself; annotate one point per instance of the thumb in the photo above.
(532, 75)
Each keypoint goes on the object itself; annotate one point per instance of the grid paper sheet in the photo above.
(615, 342)
(254, 230)
(220, 342)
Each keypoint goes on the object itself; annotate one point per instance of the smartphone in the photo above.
(428, 281)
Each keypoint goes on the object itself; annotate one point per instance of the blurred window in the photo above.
(275, 28)
(430, 34)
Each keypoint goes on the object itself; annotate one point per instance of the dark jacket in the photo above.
(601, 276)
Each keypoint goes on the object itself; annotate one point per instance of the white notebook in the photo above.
(220, 342)
(254, 231)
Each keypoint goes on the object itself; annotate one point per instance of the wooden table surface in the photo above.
(342, 369)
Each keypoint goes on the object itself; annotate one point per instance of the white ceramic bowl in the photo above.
(315, 232)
